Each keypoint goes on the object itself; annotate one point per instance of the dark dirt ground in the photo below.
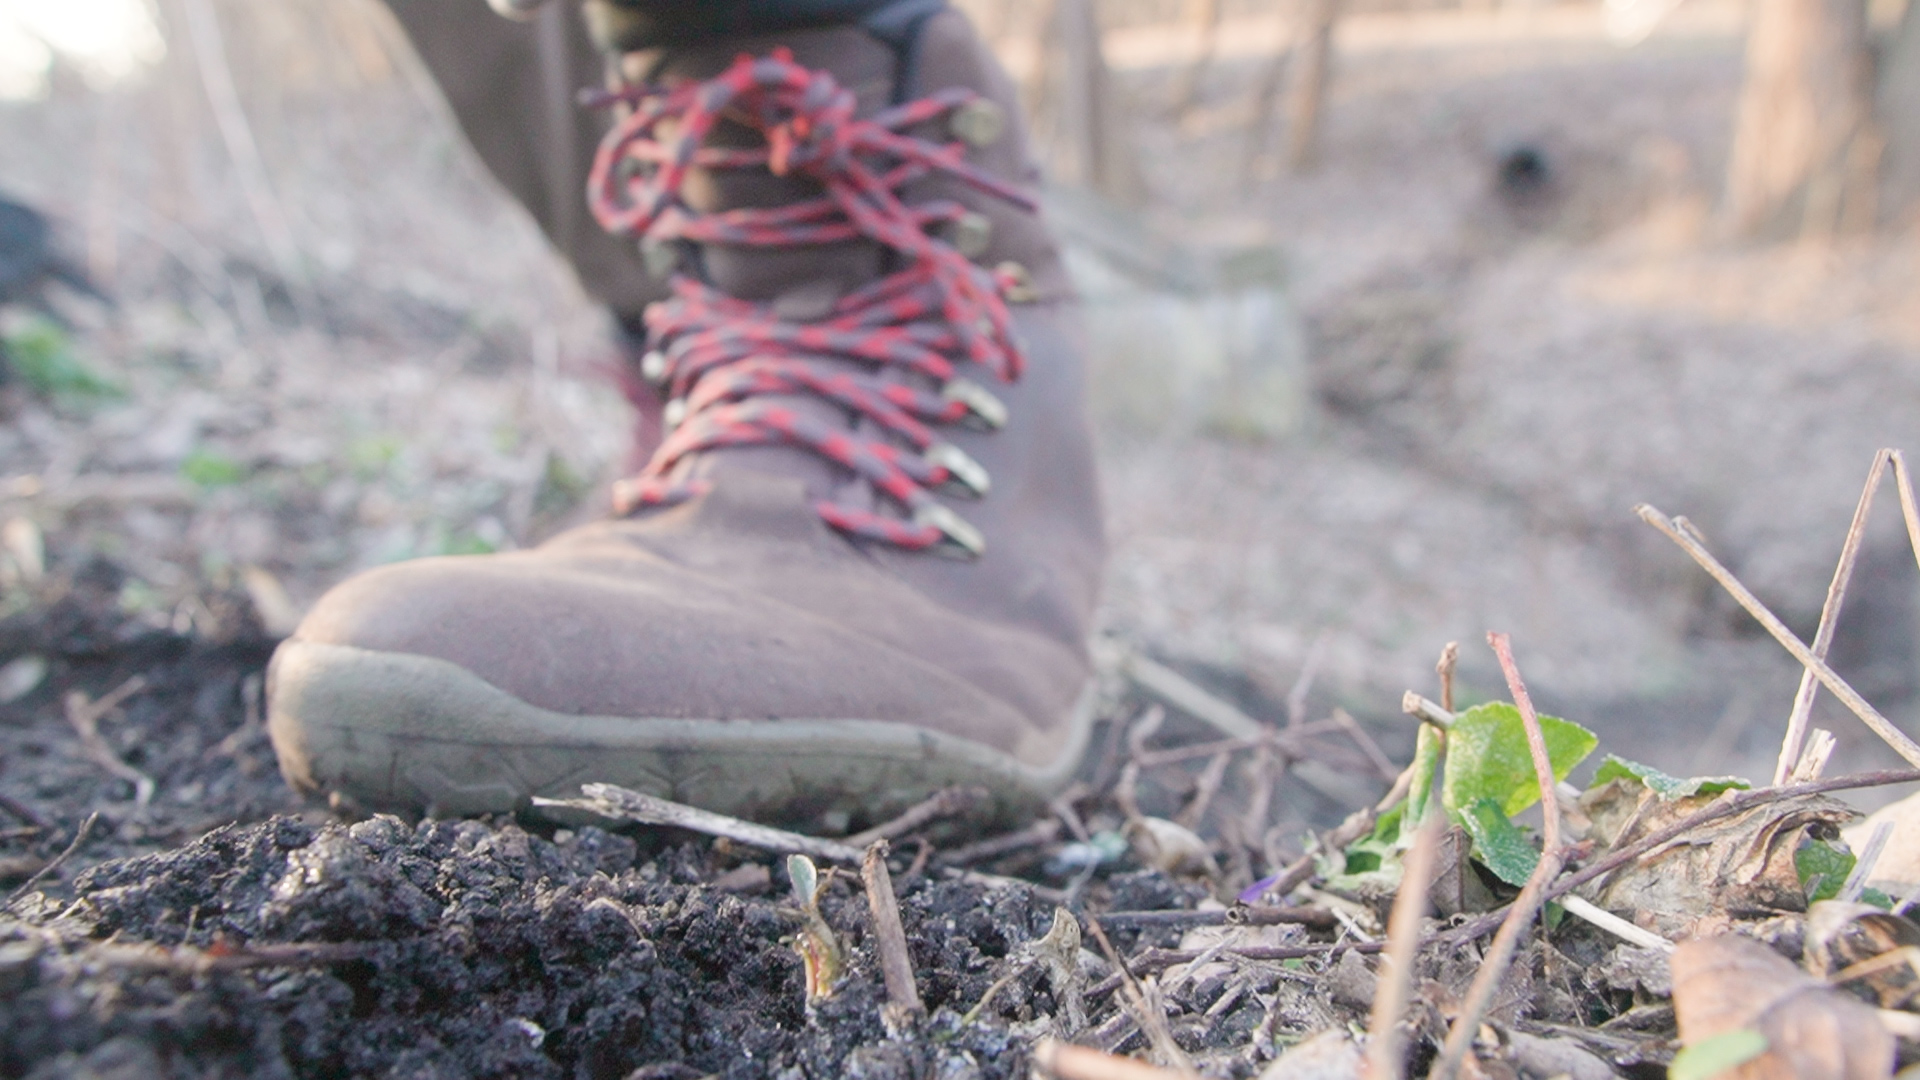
(442, 948)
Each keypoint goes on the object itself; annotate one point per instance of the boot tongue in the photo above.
(799, 284)
(859, 63)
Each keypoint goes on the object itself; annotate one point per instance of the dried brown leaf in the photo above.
(1730, 983)
(1865, 950)
(1739, 866)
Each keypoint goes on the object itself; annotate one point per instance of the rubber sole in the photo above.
(403, 732)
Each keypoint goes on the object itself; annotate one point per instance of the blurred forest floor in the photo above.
(1493, 318)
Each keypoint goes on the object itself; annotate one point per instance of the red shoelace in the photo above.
(717, 357)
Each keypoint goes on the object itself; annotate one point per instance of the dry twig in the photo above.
(79, 837)
(1795, 740)
(1314, 917)
(889, 937)
(1449, 663)
(1044, 831)
(945, 803)
(1532, 895)
(1182, 693)
(84, 716)
(609, 800)
(1681, 532)
(1385, 1051)
(1150, 1019)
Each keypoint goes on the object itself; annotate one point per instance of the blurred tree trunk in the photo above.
(1805, 150)
(1081, 116)
(1897, 106)
(1315, 70)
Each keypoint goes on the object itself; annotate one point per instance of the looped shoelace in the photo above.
(718, 357)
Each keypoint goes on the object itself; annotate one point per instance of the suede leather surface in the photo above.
(741, 603)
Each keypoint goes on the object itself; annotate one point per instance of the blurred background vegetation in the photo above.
(1397, 309)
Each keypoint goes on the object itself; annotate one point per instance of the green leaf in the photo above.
(1667, 787)
(1426, 766)
(42, 353)
(1487, 758)
(1711, 1057)
(206, 469)
(1827, 862)
(1499, 843)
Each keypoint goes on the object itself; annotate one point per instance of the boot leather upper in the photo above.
(741, 603)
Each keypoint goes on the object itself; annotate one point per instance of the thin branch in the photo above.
(1204, 789)
(1903, 482)
(1377, 757)
(1314, 917)
(1449, 663)
(1303, 685)
(945, 803)
(1425, 711)
(1044, 831)
(1681, 532)
(22, 811)
(79, 837)
(1182, 693)
(611, 801)
(1386, 1054)
(1152, 960)
(1151, 1021)
(84, 717)
(889, 937)
(1521, 915)
(1796, 737)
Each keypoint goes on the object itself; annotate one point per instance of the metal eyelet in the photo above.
(675, 413)
(971, 234)
(1019, 288)
(653, 367)
(969, 477)
(662, 257)
(984, 411)
(962, 541)
(979, 123)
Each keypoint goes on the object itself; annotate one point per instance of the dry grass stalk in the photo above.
(1613, 924)
(945, 803)
(1386, 1054)
(1449, 663)
(1521, 914)
(84, 716)
(1794, 744)
(1857, 880)
(1681, 532)
(889, 937)
(610, 800)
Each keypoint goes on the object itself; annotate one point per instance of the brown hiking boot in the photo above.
(862, 564)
